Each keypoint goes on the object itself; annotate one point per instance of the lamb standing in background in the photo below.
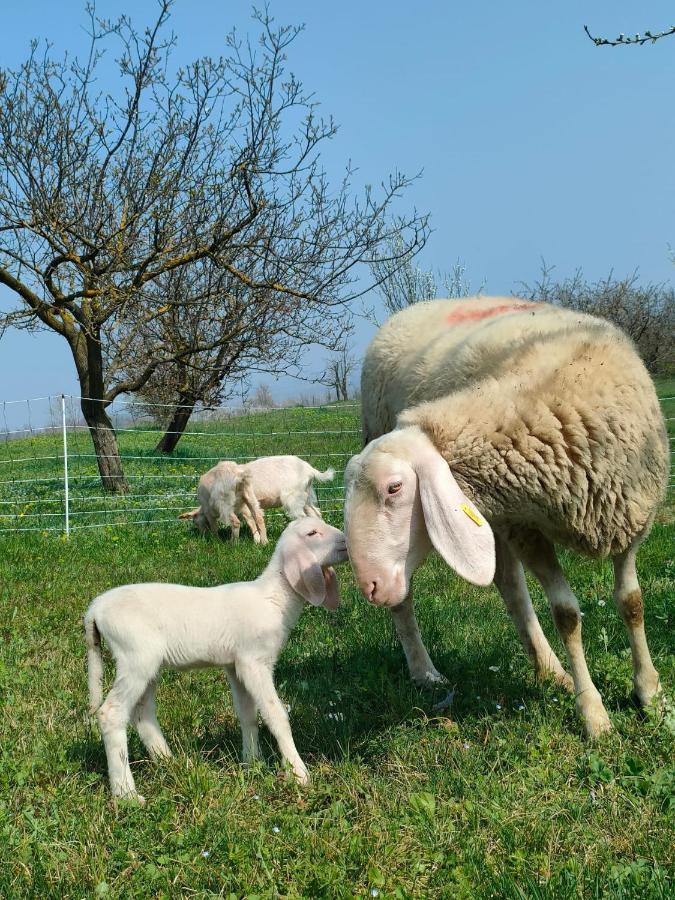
(541, 420)
(274, 481)
(242, 627)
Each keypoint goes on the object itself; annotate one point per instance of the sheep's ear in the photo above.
(305, 575)
(456, 528)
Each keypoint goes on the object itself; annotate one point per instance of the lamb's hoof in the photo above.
(301, 777)
(132, 798)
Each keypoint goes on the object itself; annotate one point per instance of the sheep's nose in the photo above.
(371, 591)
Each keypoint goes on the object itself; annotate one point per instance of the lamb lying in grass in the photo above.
(231, 489)
(242, 627)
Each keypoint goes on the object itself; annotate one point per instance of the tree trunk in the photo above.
(105, 446)
(88, 358)
(177, 425)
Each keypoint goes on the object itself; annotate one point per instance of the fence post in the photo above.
(65, 462)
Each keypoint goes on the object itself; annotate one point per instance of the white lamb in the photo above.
(242, 627)
(230, 489)
(513, 427)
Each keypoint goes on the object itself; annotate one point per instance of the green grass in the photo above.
(504, 799)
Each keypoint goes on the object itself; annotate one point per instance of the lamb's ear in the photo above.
(332, 600)
(457, 529)
(304, 574)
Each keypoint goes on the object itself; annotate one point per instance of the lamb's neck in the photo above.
(273, 585)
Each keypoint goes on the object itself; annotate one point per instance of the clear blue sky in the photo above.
(533, 142)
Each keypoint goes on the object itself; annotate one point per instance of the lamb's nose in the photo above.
(371, 591)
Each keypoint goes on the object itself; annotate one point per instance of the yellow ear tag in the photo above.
(471, 514)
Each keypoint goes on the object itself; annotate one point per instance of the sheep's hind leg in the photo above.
(628, 599)
(247, 713)
(511, 584)
(422, 670)
(147, 726)
(113, 717)
(540, 557)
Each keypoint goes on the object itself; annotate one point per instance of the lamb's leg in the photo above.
(113, 717)
(420, 666)
(248, 517)
(235, 524)
(256, 520)
(147, 726)
(540, 557)
(257, 679)
(247, 713)
(511, 584)
(628, 599)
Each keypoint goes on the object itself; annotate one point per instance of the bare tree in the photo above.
(103, 194)
(338, 372)
(263, 398)
(646, 312)
(401, 283)
(638, 39)
(215, 332)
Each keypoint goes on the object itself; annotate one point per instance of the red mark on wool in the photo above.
(475, 315)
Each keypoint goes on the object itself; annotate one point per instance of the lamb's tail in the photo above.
(190, 514)
(94, 664)
(328, 475)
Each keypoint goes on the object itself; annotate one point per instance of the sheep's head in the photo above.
(309, 548)
(402, 500)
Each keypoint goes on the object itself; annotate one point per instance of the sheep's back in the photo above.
(547, 417)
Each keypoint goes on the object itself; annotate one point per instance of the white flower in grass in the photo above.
(494, 668)
(521, 707)
(205, 853)
(498, 705)
(465, 745)
(275, 829)
(601, 603)
(374, 892)
(256, 796)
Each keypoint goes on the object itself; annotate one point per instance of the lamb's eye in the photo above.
(395, 487)
(312, 533)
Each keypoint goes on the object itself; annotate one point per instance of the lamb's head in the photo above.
(309, 548)
(402, 500)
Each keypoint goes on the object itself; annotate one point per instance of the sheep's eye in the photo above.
(395, 487)
(312, 533)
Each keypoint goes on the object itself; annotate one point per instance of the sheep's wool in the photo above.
(547, 417)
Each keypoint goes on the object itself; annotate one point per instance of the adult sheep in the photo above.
(540, 421)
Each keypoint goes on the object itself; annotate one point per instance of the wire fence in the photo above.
(49, 479)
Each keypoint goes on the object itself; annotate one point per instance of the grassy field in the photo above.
(499, 797)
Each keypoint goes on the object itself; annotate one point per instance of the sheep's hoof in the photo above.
(564, 681)
(597, 724)
(301, 776)
(430, 679)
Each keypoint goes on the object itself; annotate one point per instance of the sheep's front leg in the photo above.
(247, 713)
(511, 584)
(420, 666)
(257, 680)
